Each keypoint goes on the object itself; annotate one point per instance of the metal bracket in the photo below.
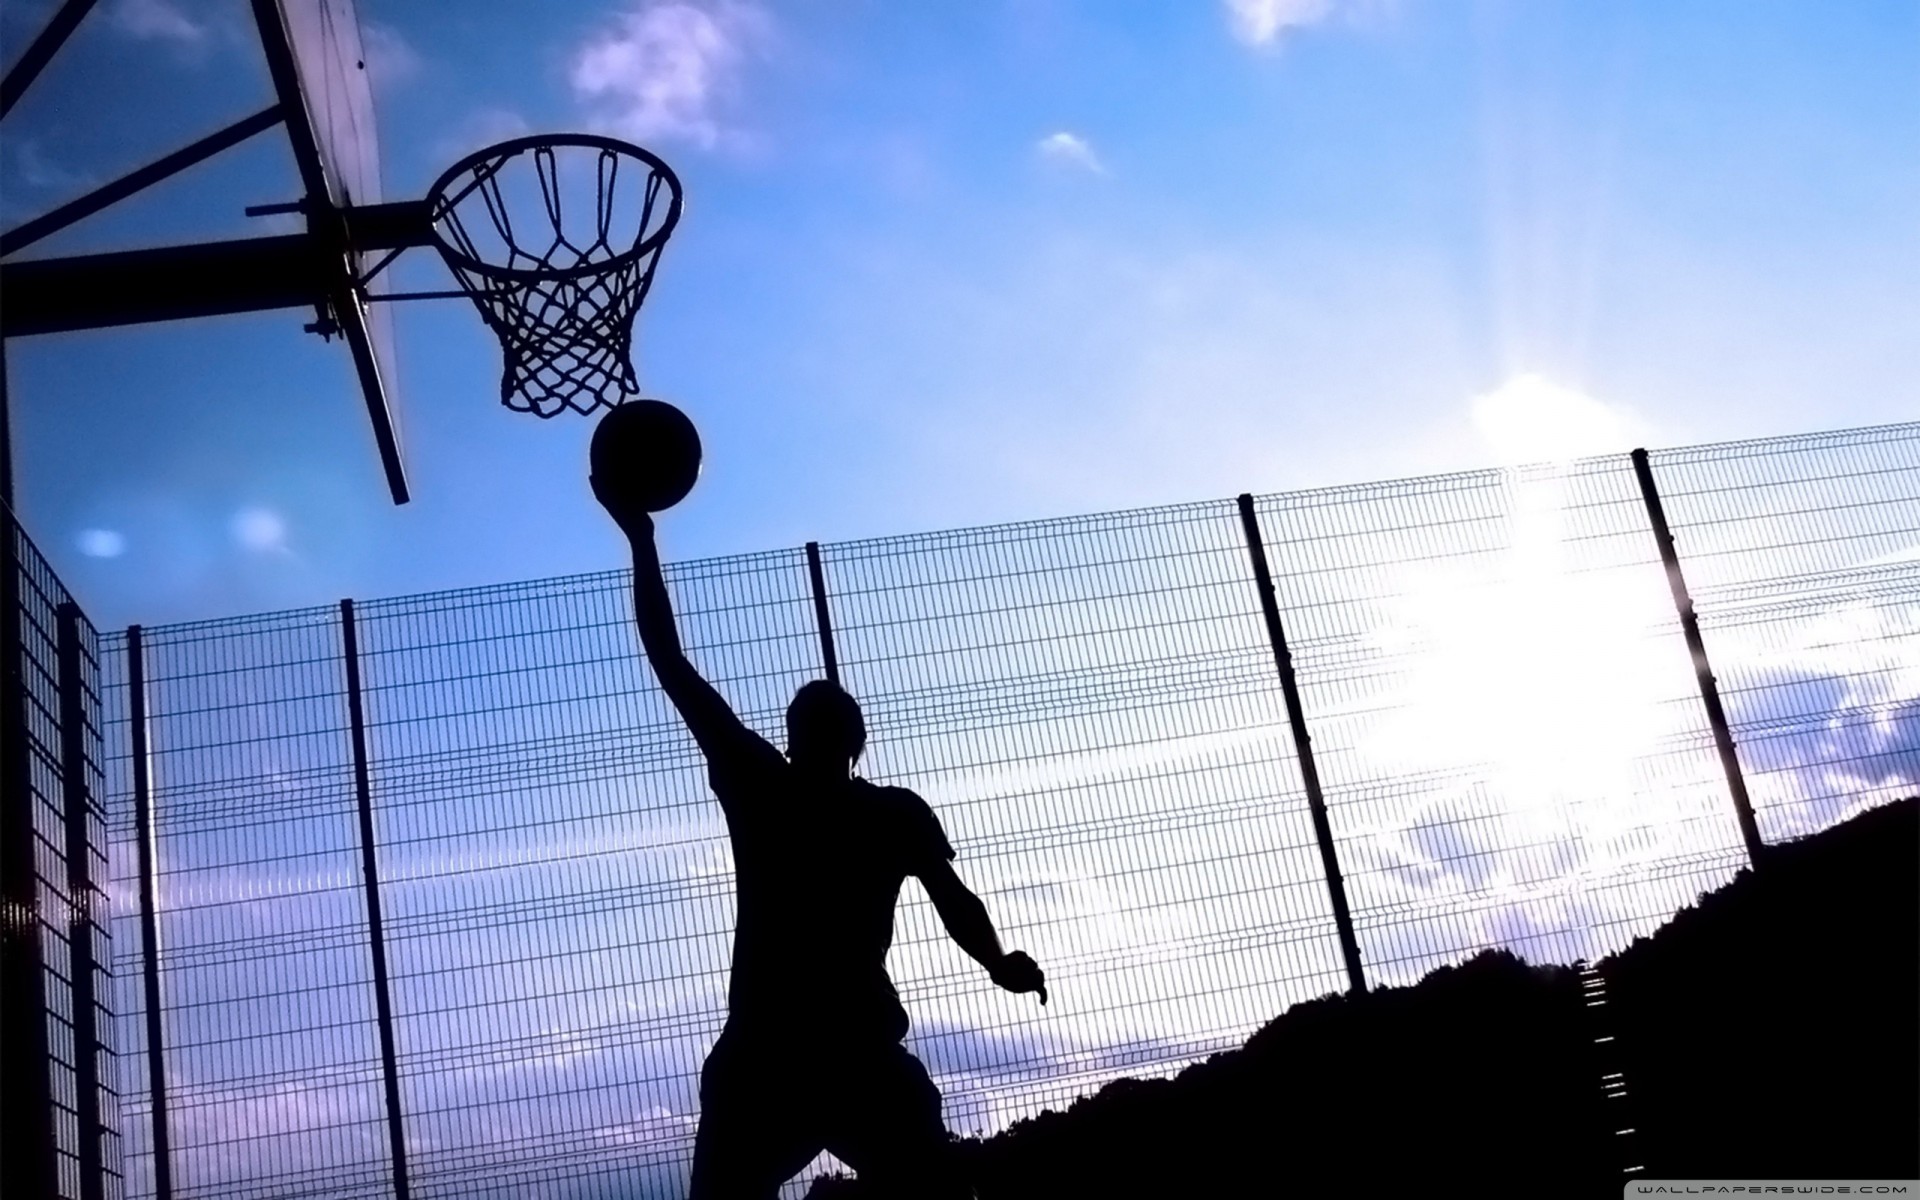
(274, 210)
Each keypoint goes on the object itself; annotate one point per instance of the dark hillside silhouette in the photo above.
(1771, 1030)
(1774, 1029)
(1481, 1070)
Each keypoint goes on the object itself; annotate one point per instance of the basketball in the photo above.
(646, 451)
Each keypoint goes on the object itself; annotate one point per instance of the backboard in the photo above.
(318, 63)
(330, 61)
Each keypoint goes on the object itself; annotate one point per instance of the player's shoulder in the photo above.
(742, 742)
(902, 807)
(743, 761)
(912, 821)
(894, 797)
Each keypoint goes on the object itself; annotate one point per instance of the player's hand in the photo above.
(633, 520)
(1018, 973)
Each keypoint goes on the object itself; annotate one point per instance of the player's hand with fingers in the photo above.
(1016, 972)
(633, 520)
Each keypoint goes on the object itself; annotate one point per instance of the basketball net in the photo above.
(560, 296)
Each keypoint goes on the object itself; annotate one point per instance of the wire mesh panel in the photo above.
(1803, 557)
(90, 930)
(1503, 712)
(555, 877)
(54, 753)
(1091, 707)
(272, 1063)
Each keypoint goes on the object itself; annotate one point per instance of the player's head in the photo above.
(824, 724)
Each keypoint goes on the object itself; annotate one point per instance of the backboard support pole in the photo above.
(132, 287)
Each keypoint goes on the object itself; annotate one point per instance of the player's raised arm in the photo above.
(972, 929)
(705, 711)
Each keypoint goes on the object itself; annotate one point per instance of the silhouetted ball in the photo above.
(648, 451)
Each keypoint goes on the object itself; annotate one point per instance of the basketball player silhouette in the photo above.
(811, 1056)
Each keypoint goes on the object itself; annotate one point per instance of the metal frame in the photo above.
(317, 269)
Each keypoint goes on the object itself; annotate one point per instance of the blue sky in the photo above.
(953, 264)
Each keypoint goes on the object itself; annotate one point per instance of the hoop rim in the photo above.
(436, 196)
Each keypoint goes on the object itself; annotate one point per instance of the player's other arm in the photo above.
(968, 924)
(706, 713)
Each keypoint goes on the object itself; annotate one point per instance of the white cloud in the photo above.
(102, 543)
(1260, 22)
(1070, 149)
(38, 171)
(390, 58)
(663, 69)
(1531, 419)
(156, 20)
(259, 529)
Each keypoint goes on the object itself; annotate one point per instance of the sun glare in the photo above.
(1532, 419)
(1539, 681)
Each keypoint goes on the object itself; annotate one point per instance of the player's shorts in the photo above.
(767, 1110)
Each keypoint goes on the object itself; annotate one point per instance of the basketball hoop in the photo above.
(558, 285)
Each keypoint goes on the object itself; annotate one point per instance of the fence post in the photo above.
(1702, 671)
(822, 620)
(75, 768)
(369, 870)
(1303, 747)
(149, 912)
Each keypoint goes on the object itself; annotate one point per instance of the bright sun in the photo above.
(1531, 419)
